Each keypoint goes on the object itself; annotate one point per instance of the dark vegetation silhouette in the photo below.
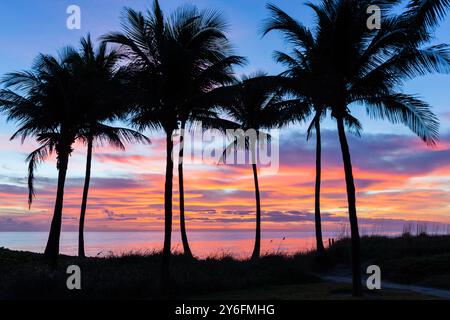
(302, 80)
(132, 275)
(169, 71)
(43, 103)
(60, 101)
(362, 67)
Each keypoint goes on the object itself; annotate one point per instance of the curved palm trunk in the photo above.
(351, 197)
(318, 222)
(52, 249)
(184, 239)
(167, 214)
(87, 180)
(257, 248)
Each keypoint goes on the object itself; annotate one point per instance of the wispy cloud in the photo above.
(398, 180)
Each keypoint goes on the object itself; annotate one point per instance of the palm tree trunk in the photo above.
(167, 214)
(87, 179)
(318, 222)
(52, 249)
(351, 197)
(184, 239)
(257, 248)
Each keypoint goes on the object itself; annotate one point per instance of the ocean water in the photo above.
(203, 243)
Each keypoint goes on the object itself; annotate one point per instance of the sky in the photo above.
(399, 179)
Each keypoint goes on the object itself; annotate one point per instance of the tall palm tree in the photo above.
(169, 59)
(302, 80)
(201, 110)
(317, 217)
(362, 67)
(43, 103)
(106, 100)
(256, 103)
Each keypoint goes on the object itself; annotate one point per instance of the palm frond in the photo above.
(34, 158)
(408, 110)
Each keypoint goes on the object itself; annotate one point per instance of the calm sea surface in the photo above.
(203, 243)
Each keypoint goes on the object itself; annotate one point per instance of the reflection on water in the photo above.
(203, 243)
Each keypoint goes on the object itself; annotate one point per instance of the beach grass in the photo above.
(420, 260)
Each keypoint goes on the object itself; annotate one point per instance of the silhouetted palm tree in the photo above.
(366, 67)
(317, 217)
(198, 105)
(106, 100)
(301, 79)
(200, 110)
(43, 103)
(257, 103)
(171, 59)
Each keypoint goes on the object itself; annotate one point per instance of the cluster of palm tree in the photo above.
(342, 63)
(63, 100)
(168, 71)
